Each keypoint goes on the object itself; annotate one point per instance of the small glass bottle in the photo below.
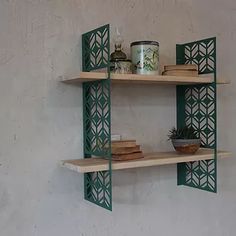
(118, 54)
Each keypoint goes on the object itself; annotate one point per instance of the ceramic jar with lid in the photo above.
(145, 57)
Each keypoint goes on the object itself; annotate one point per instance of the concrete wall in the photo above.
(40, 120)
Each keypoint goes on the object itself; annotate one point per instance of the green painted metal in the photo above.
(96, 49)
(196, 107)
(97, 115)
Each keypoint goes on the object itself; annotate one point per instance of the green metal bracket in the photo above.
(97, 115)
(196, 107)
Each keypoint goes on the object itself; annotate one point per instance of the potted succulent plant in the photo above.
(185, 140)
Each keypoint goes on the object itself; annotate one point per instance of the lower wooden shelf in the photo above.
(150, 159)
(139, 79)
(142, 79)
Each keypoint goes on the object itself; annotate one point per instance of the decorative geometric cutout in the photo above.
(203, 54)
(97, 140)
(197, 105)
(96, 116)
(201, 174)
(96, 48)
(98, 188)
(200, 112)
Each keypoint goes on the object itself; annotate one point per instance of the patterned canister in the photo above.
(145, 57)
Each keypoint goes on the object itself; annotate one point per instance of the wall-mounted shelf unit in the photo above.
(196, 107)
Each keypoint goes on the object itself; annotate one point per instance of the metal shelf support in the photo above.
(196, 107)
(97, 115)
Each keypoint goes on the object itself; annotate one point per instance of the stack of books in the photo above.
(181, 70)
(124, 150)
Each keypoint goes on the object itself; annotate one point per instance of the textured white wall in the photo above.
(40, 120)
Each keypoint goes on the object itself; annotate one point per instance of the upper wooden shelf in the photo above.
(151, 159)
(142, 79)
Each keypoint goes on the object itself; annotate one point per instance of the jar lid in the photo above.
(144, 42)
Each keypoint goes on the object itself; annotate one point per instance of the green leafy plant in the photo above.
(183, 133)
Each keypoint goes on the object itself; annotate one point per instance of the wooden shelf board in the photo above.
(139, 79)
(223, 81)
(150, 159)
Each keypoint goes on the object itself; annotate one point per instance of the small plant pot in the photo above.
(186, 146)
